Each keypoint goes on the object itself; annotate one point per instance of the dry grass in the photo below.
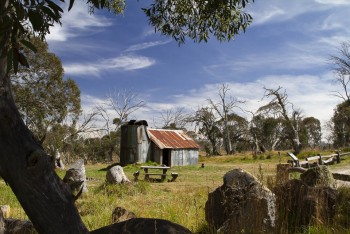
(182, 201)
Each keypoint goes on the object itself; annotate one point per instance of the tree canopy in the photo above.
(43, 97)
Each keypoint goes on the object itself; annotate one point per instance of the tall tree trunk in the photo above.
(26, 168)
(227, 141)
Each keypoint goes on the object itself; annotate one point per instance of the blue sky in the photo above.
(289, 44)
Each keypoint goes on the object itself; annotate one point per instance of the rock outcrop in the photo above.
(241, 204)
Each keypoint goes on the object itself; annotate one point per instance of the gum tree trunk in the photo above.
(26, 168)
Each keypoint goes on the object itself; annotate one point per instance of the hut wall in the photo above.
(155, 154)
(184, 157)
(134, 144)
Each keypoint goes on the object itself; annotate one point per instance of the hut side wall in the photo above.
(184, 157)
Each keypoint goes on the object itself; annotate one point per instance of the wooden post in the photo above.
(320, 162)
(338, 156)
(282, 174)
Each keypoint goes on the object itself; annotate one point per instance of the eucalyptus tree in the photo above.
(23, 163)
(43, 97)
(209, 127)
(310, 132)
(267, 131)
(237, 128)
(341, 124)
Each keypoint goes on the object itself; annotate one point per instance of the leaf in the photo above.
(54, 6)
(49, 12)
(35, 19)
(71, 2)
(23, 60)
(29, 45)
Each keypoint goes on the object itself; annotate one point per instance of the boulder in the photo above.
(2, 223)
(116, 175)
(318, 176)
(76, 178)
(120, 214)
(300, 205)
(232, 208)
(5, 210)
(17, 226)
(142, 226)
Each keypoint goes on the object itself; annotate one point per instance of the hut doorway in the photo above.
(166, 157)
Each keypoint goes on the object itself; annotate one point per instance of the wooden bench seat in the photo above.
(162, 176)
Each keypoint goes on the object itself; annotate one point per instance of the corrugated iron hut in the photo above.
(166, 147)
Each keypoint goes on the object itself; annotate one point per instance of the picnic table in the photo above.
(162, 173)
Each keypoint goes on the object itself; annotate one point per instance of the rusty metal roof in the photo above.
(172, 139)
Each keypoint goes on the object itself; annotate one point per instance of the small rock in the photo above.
(120, 214)
(5, 210)
(116, 175)
(76, 178)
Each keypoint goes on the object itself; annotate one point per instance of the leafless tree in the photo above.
(174, 118)
(121, 104)
(223, 108)
(342, 69)
(279, 105)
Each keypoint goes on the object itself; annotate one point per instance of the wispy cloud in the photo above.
(146, 45)
(76, 22)
(121, 63)
(273, 11)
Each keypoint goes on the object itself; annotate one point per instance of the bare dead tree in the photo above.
(124, 103)
(223, 108)
(174, 118)
(121, 104)
(279, 104)
(342, 70)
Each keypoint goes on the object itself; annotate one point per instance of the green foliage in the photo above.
(341, 123)
(310, 132)
(208, 126)
(43, 97)
(199, 19)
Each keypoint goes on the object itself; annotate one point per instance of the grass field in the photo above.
(182, 201)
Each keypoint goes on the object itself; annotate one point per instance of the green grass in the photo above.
(182, 201)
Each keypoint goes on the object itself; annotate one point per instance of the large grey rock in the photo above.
(116, 175)
(241, 204)
(300, 205)
(76, 178)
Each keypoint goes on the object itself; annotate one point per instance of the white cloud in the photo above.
(272, 11)
(146, 45)
(121, 63)
(333, 2)
(76, 22)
